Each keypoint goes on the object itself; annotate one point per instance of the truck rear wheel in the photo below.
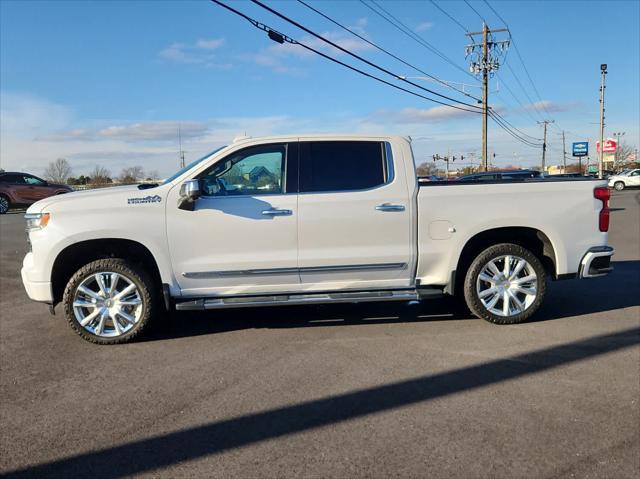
(109, 301)
(505, 284)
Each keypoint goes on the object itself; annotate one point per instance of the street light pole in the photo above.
(603, 70)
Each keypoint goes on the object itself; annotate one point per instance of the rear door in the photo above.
(19, 189)
(355, 224)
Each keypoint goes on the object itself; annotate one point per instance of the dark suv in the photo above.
(501, 175)
(23, 189)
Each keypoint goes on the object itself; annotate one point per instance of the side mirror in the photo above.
(190, 191)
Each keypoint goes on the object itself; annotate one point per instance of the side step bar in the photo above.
(305, 298)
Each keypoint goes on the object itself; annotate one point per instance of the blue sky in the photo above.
(108, 82)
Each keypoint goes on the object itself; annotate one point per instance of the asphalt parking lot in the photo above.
(376, 390)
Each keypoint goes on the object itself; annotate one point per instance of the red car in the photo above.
(23, 189)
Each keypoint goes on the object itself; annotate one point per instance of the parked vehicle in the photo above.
(307, 220)
(23, 189)
(626, 179)
(498, 175)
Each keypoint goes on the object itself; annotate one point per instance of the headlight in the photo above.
(36, 221)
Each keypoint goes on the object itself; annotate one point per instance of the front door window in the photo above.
(254, 171)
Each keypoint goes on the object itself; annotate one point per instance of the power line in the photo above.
(450, 17)
(364, 60)
(524, 66)
(417, 38)
(491, 112)
(281, 38)
(513, 127)
(531, 102)
(476, 11)
(384, 50)
(496, 14)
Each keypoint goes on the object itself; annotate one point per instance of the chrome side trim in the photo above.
(309, 269)
(352, 267)
(247, 272)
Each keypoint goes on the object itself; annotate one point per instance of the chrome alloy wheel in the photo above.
(107, 304)
(4, 205)
(507, 285)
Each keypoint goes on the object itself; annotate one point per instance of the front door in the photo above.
(36, 188)
(241, 237)
(355, 217)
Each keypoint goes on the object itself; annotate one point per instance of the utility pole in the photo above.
(603, 70)
(181, 153)
(544, 143)
(484, 62)
(564, 153)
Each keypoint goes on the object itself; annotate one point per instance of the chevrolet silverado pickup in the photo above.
(307, 220)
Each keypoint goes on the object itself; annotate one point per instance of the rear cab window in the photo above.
(335, 166)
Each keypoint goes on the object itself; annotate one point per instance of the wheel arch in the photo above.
(76, 255)
(530, 238)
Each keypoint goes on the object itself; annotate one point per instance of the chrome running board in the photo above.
(303, 298)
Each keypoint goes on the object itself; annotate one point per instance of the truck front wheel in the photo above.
(109, 301)
(505, 284)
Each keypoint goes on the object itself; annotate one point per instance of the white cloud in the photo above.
(149, 131)
(551, 106)
(277, 57)
(423, 27)
(199, 53)
(209, 44)
(27, 115)
(421, 115)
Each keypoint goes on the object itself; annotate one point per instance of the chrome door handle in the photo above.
(277, 212)
(389, 207)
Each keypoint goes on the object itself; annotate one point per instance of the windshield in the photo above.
(190, 165)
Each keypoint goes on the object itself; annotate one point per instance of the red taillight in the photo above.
(603, 194)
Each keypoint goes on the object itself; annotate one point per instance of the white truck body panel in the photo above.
(566, 212)
(330, 241)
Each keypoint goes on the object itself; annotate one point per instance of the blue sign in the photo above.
(581, 148)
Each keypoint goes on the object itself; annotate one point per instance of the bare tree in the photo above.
(426, 169)
(100, 176)
(153, 175)
(624, 152)
(131, 175)
(58, 171)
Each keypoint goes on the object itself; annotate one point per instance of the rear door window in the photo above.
(13, 179)
(333, 166)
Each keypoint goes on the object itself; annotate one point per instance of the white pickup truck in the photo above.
(303, 220)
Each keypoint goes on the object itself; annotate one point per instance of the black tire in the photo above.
(619, 185)
(131, 272)
(471, 293)
(5, 204)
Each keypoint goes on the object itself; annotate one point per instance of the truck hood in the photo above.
(117, 195)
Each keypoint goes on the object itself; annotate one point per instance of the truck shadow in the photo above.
(565, 299)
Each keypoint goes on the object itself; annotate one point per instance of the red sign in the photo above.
(610, 146)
